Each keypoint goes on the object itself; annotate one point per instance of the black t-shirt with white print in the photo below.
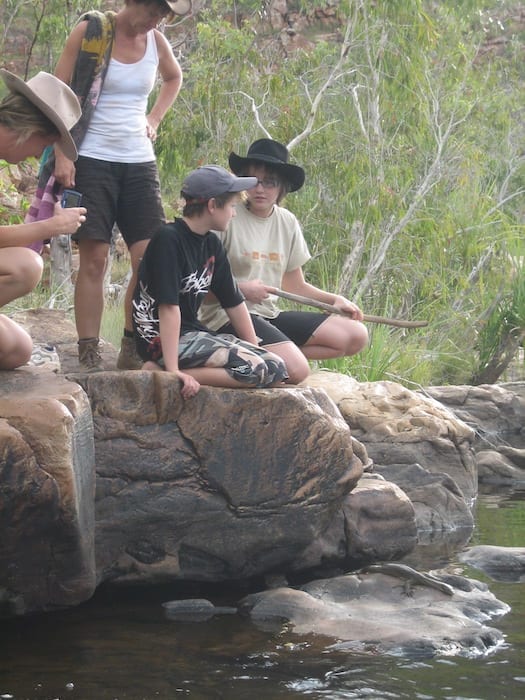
(179, 267)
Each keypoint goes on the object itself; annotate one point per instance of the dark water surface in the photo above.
(120, 646)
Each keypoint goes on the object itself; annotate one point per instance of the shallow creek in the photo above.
(120, 646)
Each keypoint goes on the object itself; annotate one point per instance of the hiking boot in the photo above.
(128, 357)
(89, 357)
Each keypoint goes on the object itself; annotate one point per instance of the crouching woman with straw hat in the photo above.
(34, 115)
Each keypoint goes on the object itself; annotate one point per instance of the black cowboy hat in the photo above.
(274, 154)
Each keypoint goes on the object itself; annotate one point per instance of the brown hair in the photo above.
(195, 208)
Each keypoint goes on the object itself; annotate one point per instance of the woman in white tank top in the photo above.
(116, 171)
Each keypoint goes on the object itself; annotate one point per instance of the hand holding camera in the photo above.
(69, 214)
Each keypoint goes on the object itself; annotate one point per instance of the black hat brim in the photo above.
(293, 174)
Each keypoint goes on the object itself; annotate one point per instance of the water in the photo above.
(119, 646)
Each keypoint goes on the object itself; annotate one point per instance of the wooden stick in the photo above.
(332, 310)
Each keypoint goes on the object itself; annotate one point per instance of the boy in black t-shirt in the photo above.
(182, 262)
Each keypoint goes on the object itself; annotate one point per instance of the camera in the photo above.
(71, 198)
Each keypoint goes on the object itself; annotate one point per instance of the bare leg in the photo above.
(15, 344)
(295, 361)
(336, 337)
(20, 272)
(136, 253)
(206, 376)
(89, 287)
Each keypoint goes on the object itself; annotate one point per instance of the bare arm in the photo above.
(65, 168)
(63, 221)
(171, 74)
(169, 324)
(293, 281)
(240, 319)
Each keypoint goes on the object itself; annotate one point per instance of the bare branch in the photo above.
(335, 74)
(357, 105)
(353, 259)
(375, 112)
(255, 110)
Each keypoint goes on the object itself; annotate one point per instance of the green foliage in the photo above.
(112, 323)
(45, 24)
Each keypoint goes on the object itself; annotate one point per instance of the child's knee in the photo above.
(298, 374)
(359, 338)
(259, 371)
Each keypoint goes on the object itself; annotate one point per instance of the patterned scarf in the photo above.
(88, 78)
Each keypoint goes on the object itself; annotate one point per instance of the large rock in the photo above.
(380, 613)
(492, 410)
(416, 443)
(229, 484)
(497, 415)
(47, 479)
(400, 427)
(376, 523)
(500, 563)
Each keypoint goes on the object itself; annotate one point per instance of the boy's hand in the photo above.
(67, 220)
(348, 308)
(190, 386)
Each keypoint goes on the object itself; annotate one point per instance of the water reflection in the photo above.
(121, 646)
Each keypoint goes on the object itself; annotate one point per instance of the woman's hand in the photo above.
(190, 386)
(254, 290)
(66, 220)
(151, 128)
(65, 170)
(348, 308)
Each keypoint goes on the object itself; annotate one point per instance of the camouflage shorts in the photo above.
(247, 363)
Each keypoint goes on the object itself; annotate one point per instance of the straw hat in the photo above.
(54, 99)
(180, 7)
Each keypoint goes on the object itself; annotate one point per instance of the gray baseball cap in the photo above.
(210, 181)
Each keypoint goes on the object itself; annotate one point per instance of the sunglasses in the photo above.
(269, 183)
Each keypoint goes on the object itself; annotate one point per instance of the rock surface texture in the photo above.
(497, 415)
(228, 485)
(47, 485)
(414, 442)
(377, 613)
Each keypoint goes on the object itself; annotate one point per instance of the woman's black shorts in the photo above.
(297, 326)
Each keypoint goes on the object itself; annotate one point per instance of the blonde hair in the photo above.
(22, 117)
